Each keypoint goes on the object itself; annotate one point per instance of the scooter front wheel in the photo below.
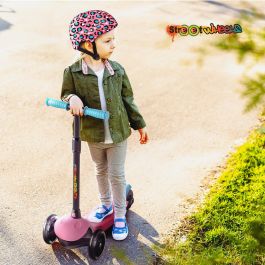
(97, 244)
(48, 233)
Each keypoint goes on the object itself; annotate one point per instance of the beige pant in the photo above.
(109, 168)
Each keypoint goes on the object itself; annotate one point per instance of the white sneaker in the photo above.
(100, 213)
(120, 233)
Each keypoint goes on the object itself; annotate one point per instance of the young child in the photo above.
(99, 83)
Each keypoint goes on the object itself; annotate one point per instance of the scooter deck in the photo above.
(104, 225)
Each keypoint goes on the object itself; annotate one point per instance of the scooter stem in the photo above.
(76, 148)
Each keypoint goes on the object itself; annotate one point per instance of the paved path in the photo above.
(194, 116)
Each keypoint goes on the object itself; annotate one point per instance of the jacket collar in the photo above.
(80, 65)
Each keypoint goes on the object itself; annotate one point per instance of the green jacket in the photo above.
(119, 100)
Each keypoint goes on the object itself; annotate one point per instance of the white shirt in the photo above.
(108, 139)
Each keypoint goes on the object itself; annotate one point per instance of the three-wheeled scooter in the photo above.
(73, 230)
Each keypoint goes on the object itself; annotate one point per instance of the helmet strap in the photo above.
(94, 55)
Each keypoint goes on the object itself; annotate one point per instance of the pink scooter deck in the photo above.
(71, 229)
(104, 225)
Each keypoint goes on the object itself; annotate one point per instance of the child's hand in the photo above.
(143, 135)
(76, 106)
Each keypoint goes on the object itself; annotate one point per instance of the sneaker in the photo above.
(100, 213)
(120, 233)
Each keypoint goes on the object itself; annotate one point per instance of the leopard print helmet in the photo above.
(88, 26)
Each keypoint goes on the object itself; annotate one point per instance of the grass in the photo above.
(229, 226)
(121, 255)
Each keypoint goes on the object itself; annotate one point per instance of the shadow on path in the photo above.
(6, 9)
(238, 10)
(131, 251)
(4, 25)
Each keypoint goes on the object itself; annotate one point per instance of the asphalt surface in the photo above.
(194, 117)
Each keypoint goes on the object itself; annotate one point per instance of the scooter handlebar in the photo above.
(96, 113)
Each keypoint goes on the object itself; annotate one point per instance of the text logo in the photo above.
(194, 30)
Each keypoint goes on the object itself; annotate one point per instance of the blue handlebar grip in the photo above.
(96, 113)
(57, 103)
(100, 114)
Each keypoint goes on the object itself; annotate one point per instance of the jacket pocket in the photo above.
(87, 90)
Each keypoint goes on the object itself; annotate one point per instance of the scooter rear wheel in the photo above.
(129, 199)
(97, 244)
(48, 233)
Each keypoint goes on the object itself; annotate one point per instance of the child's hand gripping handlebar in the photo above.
(96, 113)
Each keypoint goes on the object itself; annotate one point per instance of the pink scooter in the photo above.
(73, 230)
